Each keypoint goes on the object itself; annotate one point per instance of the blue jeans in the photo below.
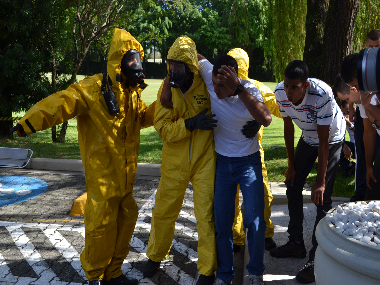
(246, 171)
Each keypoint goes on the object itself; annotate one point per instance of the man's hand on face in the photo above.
(200, 57)
(166, 94)
(228, 77)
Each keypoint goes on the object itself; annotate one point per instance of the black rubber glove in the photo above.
(251, 128)
(20, 128)
(201, 121)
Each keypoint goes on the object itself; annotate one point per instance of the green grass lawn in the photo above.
(151, 145)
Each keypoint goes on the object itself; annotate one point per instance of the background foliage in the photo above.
(38, 53)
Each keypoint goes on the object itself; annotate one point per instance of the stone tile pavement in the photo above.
(40, 242)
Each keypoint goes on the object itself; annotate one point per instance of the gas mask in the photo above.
(177, 71)
(131, 68)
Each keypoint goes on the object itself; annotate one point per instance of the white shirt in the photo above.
(318, 107)
(374, 101)
(232, 115)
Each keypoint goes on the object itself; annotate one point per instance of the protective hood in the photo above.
(242, 60)
(184, 49)
(122, 41)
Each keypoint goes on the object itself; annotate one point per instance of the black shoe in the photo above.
(290, 249)
(236, 248)
(121, 280)
(357, 197)
(205, 280)
(151, 268)
(269, 243)
(306, 274)
(95, 282)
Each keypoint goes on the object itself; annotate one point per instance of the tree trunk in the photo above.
(62, 133)
(338, 37)
(315, 22)
(53, 84)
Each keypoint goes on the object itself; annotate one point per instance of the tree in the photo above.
(91, 20)
(315, 24)
(329, 29)
(368, 19)
(338, 36)
(24, 56)
(285, 34)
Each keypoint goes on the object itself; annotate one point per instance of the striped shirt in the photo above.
(318, 107)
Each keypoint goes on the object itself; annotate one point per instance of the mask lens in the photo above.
(134, 61)
(177, 70)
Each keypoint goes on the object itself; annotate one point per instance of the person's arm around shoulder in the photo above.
(290, 173)
(323, 155)
(147, 114)
(166, 94)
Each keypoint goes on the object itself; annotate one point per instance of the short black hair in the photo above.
(297, 69)
(225, 60)
(349, 68)
(340, 86)
(343, 104)
(374, 35)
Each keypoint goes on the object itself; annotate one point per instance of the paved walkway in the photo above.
(40, 242)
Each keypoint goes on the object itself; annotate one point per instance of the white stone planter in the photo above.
(340, 259)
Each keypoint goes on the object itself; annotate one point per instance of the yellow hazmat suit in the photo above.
(186, 156)
(109, 147)
(270, 101)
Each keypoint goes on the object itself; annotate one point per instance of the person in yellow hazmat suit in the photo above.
(187, 156)
(270, 101)
(110, 114)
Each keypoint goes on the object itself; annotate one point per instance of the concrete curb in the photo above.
(143, 169)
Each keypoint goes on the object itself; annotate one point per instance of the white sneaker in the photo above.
(256, 280)
(220, 282)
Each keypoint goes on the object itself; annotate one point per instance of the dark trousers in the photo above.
(305, 157)
(361, 169)
(374, 193)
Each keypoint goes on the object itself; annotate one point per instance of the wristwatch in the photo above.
(239, 89)
(374, 125)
